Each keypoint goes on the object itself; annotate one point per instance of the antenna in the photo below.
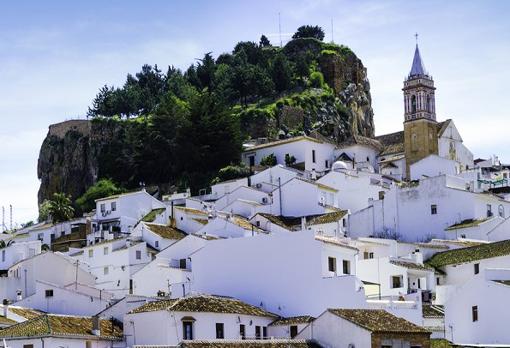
(10, 213)
(416, 37)
(280, 28)
(332, 35)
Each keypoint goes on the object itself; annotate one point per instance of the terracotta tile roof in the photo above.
(243, 223)
(6, 321)
(392, 143)
(151, 216)
(272, 343)
(432, 311)
(204, 303)
(467, 223)
(288, 222)
(361, 140)
(378, 321)
(470, 254)
(167, 232)
(328, 217)
(62, 325)
(303, 319)
(27, 313)
(281, 142)
(192, 210)
(411, 265)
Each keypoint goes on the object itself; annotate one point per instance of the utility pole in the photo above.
(280, 29)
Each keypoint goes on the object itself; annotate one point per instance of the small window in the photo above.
(156, 244)
(242, 331)
(293, 331)
(105, 250)
(489, 210)
(3, 255)
(28, 346)
(91, 253)
(40, 236)
(438, 281)
(368, 159)
(105, 270)
(331, 264)
(220, 333)
(257, 332)
(344, 223)
(252, 161)
(257, 223)
(182, 263)
(326, 163)
(346, 266)
(313, 156)
(476, 268)
(187, 330)
(264, 331)
(114, 206)
(138, 254)
(433, 209)
(474, 313)
(48, 293)
(396, 281)
(103, 208)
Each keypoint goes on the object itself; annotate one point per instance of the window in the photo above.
(419, 283)
(396, 281)
(331, 264)
(130, 286)
(138, 254)
(182, 263)
(257, 332)
(313, 156)
(156, 244)
(344, 223)
(433, 209)
(293, 331)
(413, 104)
(474, 313)
(105, 270)
(437, 281)
(220, 333)
(264, 331)
(252, 160)
(242, 331)
(105, 250)
(48, 293)
(103, 208)
(326, 163)
(346, 265)
(91, 253)
(476, 268)
(113, 206)
(28, 346)
(40, 236)
(52, 237)
(489, 210)
(3, 255)
(187, 330)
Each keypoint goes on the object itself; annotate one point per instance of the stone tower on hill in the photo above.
(420, 126)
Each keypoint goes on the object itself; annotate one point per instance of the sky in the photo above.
(55, 55)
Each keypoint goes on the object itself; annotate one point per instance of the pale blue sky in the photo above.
(54, 55)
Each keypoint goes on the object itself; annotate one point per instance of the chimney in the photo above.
(6, 306)
(96, 329)
(303, 223)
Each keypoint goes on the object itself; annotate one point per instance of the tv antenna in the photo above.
(280, 29)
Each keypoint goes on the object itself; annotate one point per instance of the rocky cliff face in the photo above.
(75, 154)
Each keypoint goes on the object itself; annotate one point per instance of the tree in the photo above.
(103, 103)
(309, 31)
(269, 160)
(231, 172)
(44, 211)
(281, 73)
(264, 41)
(316, 79)
(60, 208)
(102, 188)
(205, 71)
(289, 160)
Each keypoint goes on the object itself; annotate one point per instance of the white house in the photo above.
(170, 272)
(74, 299)
(200, 317)
(341, 328)
(113, 263)
(118, 214)
(475, 314)
(229, 226)
(52, 330)
(16, 250)
(312, 153)
(267, 268)
(434, 165)
(189, 220)
(49, 267)
(158, 236)
(289, 327)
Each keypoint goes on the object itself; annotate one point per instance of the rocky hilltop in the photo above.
(75, 154)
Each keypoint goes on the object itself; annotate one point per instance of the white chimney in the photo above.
(96, 328)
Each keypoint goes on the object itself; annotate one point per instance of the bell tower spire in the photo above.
(420, 126)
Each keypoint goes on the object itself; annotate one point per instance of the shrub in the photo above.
(316, 79)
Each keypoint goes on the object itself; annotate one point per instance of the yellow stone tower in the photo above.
(420, 126)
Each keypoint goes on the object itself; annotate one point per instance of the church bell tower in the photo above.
(420, 126)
